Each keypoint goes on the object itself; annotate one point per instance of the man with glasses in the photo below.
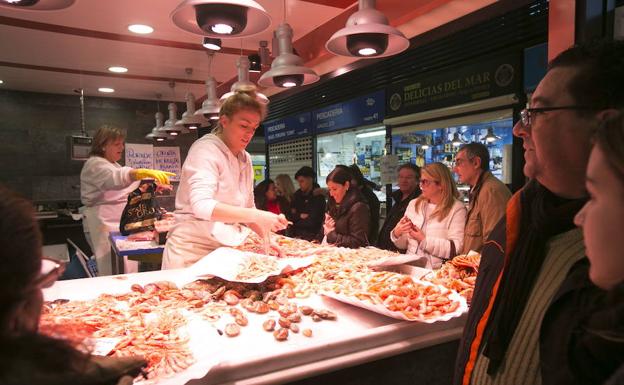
(533, 301)
(409, 175)
(488, 196)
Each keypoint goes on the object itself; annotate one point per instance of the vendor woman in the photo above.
(104, 189)
(216, 186)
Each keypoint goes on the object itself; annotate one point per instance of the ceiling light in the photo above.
(119, 70)
(1, 81)
(219, 18)
(371, 134)
(36, 5)
(287, 70)
(367, 34)
(212, 43)
(106, 90)
(171, 126)
(254, 63)
(140, 29)
(490, 137)
(242, 63)
(210, 106)
(456, 140)
(189, 119)
(156, 133)
(425, 146)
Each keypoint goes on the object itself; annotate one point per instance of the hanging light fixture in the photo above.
(212, 43)
(490, 137)
(254, 63)
(37, 5)
(456, 140)
(172, 126)
(242, 63)
(210, 106)
(219, 18)
(264, 53)
(367, 34)
(287, 70)
(156, 135)
(190, 119)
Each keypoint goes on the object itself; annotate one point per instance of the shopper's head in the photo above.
(284, 186)
(20, 295)
(586, 80)
(601, 217)
(305, 176)
(470, 161)
(438, 186)
(108, 142)
(408, 178)
(239, 117)
(338, 183)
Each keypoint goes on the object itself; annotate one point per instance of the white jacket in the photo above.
(104, 182)
(439, 233)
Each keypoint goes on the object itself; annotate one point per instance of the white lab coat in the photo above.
(439, 233)
(210, 174)
(104, 189)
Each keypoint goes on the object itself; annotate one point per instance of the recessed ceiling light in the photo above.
(106, 90)
(1, 81)
(118, 69)
(140, 28)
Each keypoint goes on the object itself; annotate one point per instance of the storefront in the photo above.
(289, 144)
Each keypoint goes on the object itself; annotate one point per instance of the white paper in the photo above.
(226, 262)
(230, 234)
(139, 155)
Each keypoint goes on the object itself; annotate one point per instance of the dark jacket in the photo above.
(373, 205)
(313, 205)
(393, 217)
(352, 220)
(564, 341)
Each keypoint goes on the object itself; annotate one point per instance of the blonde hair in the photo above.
(441, 175)
(104, 135)
(244, 98)
(286, 184)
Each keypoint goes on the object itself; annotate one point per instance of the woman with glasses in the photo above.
(27, 357)
(432, 229)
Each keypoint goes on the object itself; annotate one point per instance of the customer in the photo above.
(216, 187)
(488, 196)
(433, 226)
(533, 279)
(104, 189)
(266, 198)
(366, 188)
(308, 209)
(284, 187)
(601, 350)
(27, 357)
(408, 179)
(347, 220)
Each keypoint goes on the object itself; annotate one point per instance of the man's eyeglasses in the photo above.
(51, 270)
(426, 182)
(525, 115)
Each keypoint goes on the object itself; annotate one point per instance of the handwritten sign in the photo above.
(139, 155)
(389, 165)
(168, 159)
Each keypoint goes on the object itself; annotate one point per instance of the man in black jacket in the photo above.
(409, 176)
(308, 209)
(533, 298)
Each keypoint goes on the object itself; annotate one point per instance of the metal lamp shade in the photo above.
(156, 134)
(368, 30)
(210, 106)
(189, 119)
(38, 5)
(171, 127)
(246, 17)
(212, 43)
(242, 63)
(288, 69)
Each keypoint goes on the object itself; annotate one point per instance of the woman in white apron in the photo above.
(216, 187)
(104, 189)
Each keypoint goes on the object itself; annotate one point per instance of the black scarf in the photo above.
(543, 215)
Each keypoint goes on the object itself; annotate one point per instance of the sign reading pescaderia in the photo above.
(468, 83)
(367, 109)
(291, 127)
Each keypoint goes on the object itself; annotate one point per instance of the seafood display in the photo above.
(255, 266)
(459, 274)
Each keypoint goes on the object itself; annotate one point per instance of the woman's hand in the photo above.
(329, 225)
(404, 226)
(267, 221)
(416, 233)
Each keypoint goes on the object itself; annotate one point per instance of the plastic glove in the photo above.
(161, 177)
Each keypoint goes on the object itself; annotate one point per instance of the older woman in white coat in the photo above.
(104, 189)
(432, 229)
(216, 187)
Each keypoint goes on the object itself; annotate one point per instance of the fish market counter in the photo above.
(254, 356)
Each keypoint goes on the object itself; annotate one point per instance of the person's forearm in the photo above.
(227, 213)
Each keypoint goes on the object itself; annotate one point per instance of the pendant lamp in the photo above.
(367, 34)
(212, 43)
(490, 137)
(457, 140)
(210, 106)
(190, 119)
(242, 63)
(171, 126)
(221, 18)
(288, 69)
(156, 134)
(37, 5)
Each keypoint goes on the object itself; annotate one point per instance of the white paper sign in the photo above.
(389, 165)
(139, 155)
(168, 159)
